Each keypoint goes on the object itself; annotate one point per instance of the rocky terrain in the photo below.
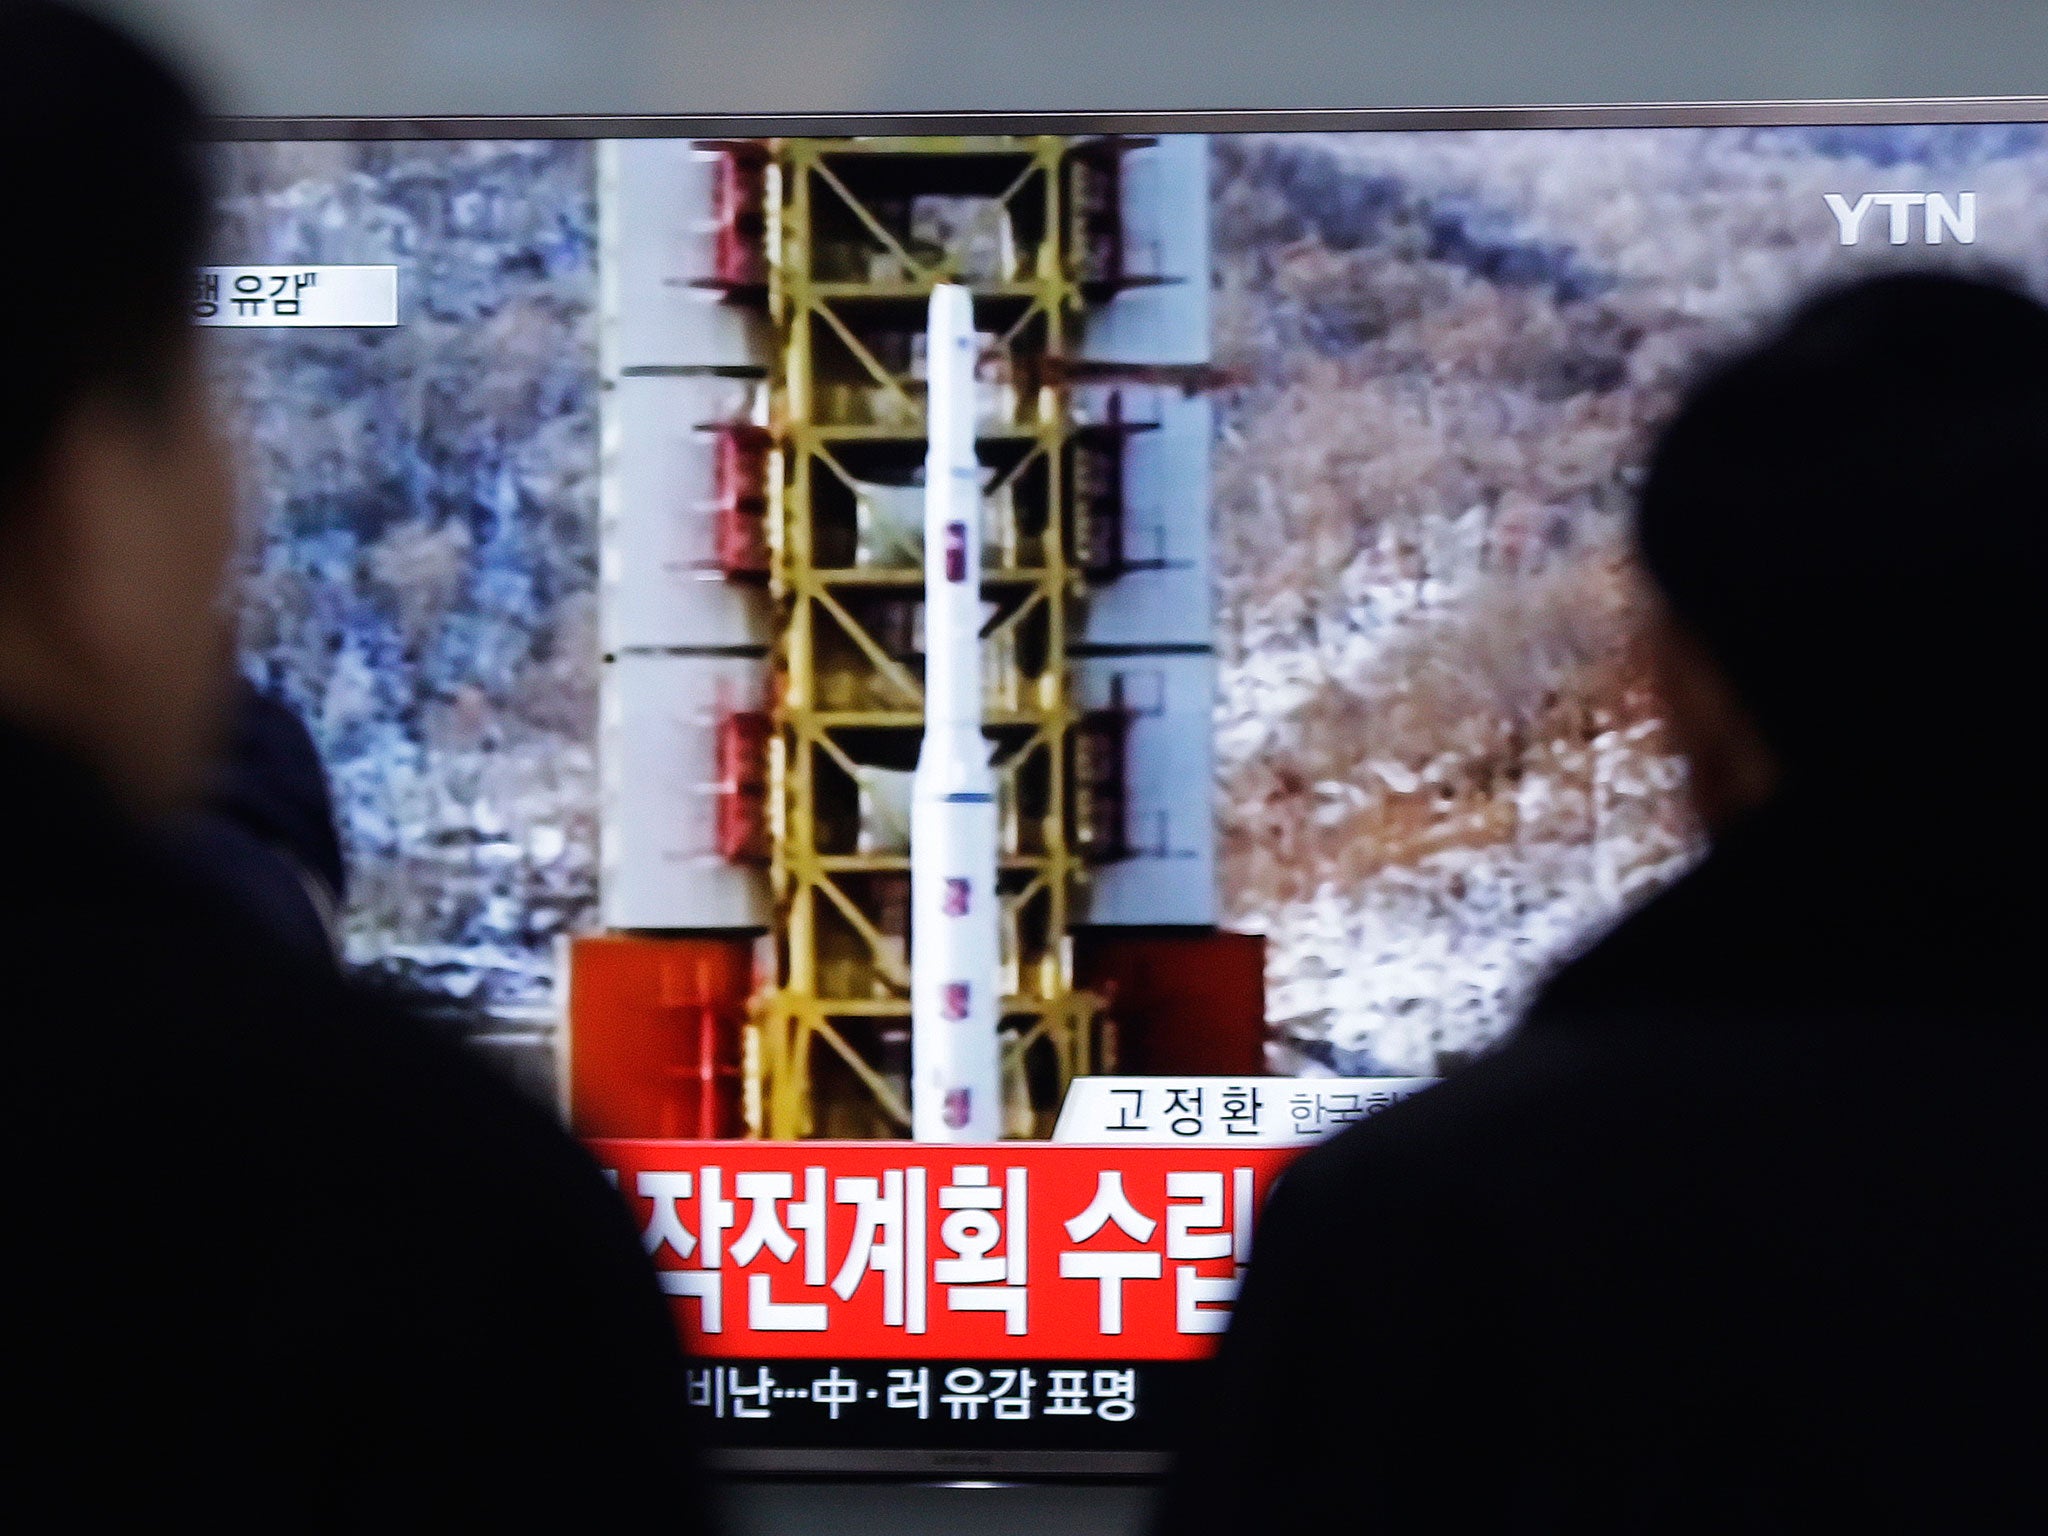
(420, 564)
(1440, 770)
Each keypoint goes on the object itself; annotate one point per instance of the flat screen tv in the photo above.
(586, 474)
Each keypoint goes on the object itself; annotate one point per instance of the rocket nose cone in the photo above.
(952, 310)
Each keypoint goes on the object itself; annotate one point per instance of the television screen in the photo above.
(588, 507)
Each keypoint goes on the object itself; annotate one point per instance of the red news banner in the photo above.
(894, 1250)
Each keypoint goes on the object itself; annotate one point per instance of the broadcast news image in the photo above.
(1111, 653)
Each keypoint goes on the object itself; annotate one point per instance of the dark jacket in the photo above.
(275, 1257)
(1743, 1229)
(266, 832)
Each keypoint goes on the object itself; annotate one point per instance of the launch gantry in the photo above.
(848, 282)
(766, 309)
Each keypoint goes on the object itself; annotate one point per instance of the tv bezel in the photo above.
(1886, 111)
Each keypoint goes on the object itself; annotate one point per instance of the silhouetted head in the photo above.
(1849, 526)
(115, 518)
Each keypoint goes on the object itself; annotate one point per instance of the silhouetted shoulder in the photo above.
(318, 1246)
(1534, 1089)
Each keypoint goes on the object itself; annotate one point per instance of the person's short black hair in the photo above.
(1853, 517)
(104, 185)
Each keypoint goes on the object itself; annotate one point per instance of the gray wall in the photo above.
(531, 57)
(407, 57)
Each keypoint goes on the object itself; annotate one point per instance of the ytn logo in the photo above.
(1939, 218)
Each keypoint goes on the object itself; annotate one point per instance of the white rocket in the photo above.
(955, 961)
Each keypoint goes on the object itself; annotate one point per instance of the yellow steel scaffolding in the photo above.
(852, 257)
